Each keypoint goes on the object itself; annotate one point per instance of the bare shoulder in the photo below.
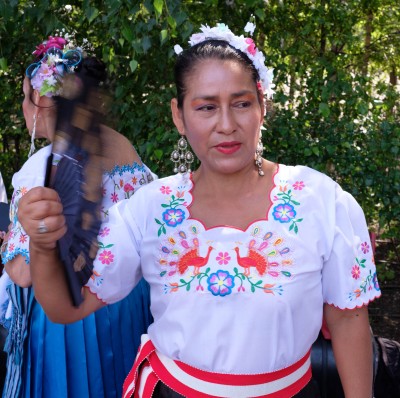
(119, 149)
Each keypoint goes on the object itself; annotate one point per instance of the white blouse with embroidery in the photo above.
(119, 183)
(234, 301)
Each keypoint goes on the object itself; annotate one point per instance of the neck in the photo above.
(229, 185)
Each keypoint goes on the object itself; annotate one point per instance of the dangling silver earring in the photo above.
(259, 161)
(32, 148)
(182, 157)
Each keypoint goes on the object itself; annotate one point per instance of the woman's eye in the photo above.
(243, 104)
(207, 107)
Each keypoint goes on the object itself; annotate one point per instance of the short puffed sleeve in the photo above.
(117, 265)
(349, 276)
(31, 175)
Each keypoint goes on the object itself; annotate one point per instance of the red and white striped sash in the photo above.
(195, 383)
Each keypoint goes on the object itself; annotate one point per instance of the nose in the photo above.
(226, 123)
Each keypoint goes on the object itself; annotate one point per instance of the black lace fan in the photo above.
(75, 172)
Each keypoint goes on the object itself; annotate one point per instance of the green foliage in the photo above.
(336, 66)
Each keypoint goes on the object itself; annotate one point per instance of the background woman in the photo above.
(89, 358)
(244, 257)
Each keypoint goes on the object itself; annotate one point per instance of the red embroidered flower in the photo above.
(128, 187)
(165, 190)
(355, 272)
(298, 185)
(106, 257)
(134, 180)
(23, 238)
(114, 197)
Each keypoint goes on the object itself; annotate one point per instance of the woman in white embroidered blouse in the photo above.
(244, 257)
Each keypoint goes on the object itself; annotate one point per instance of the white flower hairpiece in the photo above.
(241, 43)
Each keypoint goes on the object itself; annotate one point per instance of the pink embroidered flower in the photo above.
(11, 234)
(106, 257)
(114, 197)
(128, 187)
(104, 232)
(165, 190)
(298, 185)
(180, 194)
(223, 258)
(252, 47)
(365, 247)
(24, 190)
(11, 247)
(23, 238)
(355, 272)
(241, 289)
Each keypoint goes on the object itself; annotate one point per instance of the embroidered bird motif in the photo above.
(253, 259)
(192, 259)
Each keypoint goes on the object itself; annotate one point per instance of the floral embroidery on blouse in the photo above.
(285, 211)
(173, 215)
(17, 233)
(257, 265)
(123, 182)
(368, 283)
(365, 283)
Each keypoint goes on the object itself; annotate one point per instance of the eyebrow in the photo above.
(214, 97)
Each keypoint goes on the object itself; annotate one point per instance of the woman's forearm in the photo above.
(352, 347)
(51, 288)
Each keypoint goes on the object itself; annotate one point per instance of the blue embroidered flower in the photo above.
(284, 212)
(220, 283)
(173, 217)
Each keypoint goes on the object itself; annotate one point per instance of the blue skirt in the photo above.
(89, 358)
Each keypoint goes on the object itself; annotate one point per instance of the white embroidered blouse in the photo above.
(117, 184)
(239, 301)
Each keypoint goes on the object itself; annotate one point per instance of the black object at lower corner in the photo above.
(387, 380)
(324, 369)
(386, 367)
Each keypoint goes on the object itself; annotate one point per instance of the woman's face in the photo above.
(42, 108)
(221, 116)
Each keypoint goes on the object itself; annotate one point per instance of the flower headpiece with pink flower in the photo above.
(241, 43)
(56, 56)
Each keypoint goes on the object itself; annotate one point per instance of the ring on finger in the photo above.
(42, 228)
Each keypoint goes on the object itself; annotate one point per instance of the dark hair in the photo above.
(208, 49)
(92, 68)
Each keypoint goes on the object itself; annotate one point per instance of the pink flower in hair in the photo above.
(57, 42)
(252, 47)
